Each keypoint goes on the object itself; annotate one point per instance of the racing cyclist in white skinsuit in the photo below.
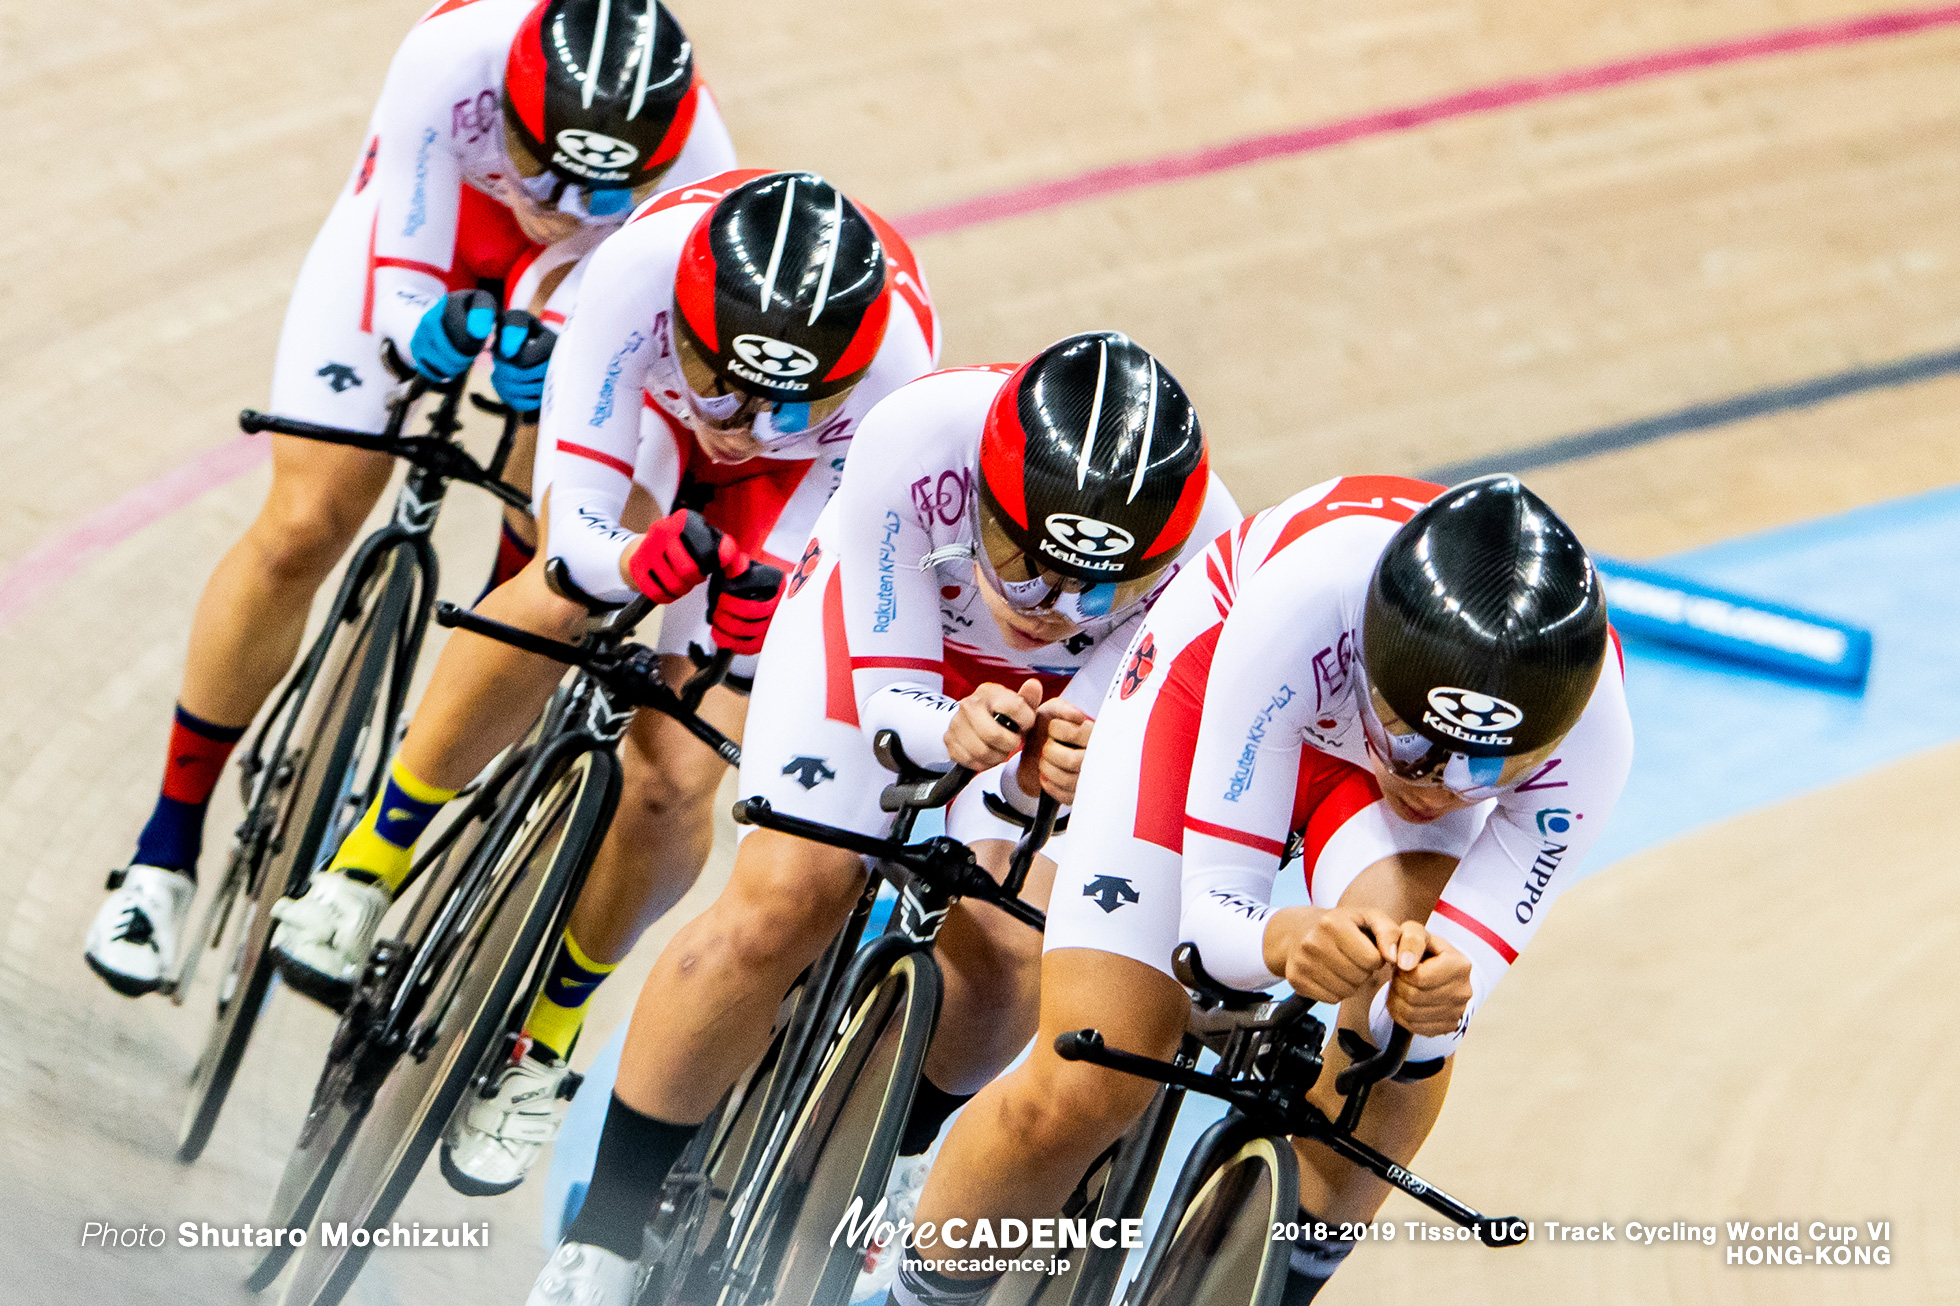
(1419, 685)
(994, 541)
(496, 158)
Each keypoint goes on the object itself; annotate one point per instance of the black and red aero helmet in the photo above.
(1485, 625)
(1093, 461)
(781, 289)
(601, 92)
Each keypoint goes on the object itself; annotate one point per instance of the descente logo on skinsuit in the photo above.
(1470, 716)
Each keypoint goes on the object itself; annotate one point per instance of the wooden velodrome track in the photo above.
(1746, 1022)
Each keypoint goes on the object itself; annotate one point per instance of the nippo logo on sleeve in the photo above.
(1468, 715)
(1089, 537)
(775, 359)
(596, 150)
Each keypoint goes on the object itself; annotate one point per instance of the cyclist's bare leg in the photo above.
(665, 825)
(484, 694)
(705, 1013)
(1023, 1143)
(992, 968)
(517, 471)
(1399, 1116)
(252, 614)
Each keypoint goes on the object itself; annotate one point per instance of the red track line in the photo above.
(1305, 140)
(60, 555)
(63, 553)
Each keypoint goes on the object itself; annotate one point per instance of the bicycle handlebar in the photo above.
(942, 861)
(434, 452)
(632, 672)
(1376, 1068)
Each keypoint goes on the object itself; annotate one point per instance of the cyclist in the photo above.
(727, 344)
(510, 137)
(996, 536)
(1417, 684)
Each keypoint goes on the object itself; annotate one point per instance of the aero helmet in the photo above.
(601, 93)
(1093, 470)
(779, 302)
(1484, 631)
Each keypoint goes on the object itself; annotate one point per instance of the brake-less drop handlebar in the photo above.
(1275, 1097)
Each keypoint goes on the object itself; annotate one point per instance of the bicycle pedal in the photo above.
(569, 1088)
(116, 878)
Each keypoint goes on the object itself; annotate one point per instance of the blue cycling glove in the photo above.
(518, 360)
(452, 333)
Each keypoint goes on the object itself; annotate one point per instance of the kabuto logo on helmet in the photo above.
(775, 361)
(1089, 537)
(1470, 716)
(596, 149)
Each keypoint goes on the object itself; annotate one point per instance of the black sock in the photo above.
(635, 1153)
(920, 1287)
(930, 1107)
(1313, 1262)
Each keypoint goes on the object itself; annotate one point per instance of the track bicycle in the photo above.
(703, 1205)
(1215, 1245)
(323, 747)
(439, 1008)
(842, 1131)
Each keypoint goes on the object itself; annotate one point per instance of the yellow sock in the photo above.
(383, 844)
(559, 1013)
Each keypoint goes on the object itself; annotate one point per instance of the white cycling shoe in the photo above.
(325, 934)
(132, 943)
(901, 1203)
(491, 1141)
(579, 1274)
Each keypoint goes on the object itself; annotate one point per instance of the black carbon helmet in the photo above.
(601, 92)
(781, 289)
(1485, 627)
(1092, 460)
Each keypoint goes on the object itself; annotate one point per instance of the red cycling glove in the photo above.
(677, 553)
(743, 599)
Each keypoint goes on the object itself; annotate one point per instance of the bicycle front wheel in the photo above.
(1222, 1252)
(472, 998)
(290, 820)
(842, 1145)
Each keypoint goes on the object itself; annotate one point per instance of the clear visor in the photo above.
(729, 409)
(1032, 589)
(1409, 755)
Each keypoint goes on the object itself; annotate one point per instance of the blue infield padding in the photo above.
(1668, 609)
(1713, 738)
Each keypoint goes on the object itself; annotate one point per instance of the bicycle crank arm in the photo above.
(1492, 1231)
